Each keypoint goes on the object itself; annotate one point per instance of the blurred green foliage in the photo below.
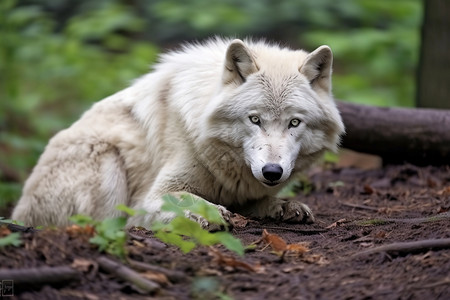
(58, 57)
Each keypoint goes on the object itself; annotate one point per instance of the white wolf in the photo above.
(228, 121)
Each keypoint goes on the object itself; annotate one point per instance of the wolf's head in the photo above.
(275, 106)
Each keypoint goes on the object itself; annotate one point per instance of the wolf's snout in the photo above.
(272, 172)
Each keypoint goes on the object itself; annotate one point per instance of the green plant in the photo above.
(12, 239)
(109, 235)
(187, 234)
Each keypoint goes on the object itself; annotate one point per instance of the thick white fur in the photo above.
(185, 127)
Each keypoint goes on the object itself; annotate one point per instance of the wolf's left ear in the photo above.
(317, 68)
(239, 63)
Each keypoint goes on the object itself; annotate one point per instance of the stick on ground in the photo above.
(40, 275)
(127, 274)
(408, 247)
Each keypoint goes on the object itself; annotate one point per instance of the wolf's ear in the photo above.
(317, 68)
(239, 63)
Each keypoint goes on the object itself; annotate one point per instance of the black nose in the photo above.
(272, 172)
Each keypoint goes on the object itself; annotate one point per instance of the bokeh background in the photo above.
(57, 57)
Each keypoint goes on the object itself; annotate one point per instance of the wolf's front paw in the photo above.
(212, 227)
(296, 212)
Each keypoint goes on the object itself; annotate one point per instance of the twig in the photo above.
(352, 205)
(172, 275)
(127, 274)
(18, 228)
(408, 247)
(297, 230)
(40, 275)
(147, 241)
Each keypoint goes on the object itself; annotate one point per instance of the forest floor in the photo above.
(357, 212)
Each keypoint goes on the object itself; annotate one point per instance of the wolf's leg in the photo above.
(286, 210)
(71, 178)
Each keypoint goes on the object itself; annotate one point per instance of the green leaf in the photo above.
(13, 239)
(82, 220)
(177, 240)
(230, 242)
(100, 241)
(130, 211)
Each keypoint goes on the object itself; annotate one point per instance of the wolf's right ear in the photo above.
(318, 67)
(239, 63)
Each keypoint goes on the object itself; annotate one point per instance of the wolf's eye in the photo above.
(255, 120)
(294, 123)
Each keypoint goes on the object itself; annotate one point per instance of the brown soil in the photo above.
(355, 211)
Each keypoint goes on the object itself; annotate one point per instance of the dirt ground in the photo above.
(356, 212)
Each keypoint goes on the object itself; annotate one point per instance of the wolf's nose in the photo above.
(272, 172)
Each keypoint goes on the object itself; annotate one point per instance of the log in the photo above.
(398, 135)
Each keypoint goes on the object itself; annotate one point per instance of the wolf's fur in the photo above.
(187, 127)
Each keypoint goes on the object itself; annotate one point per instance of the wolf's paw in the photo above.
(296, 212)
(226, 215)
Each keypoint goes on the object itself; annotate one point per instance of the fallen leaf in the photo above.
(79, 230)
(238, 221)
(368, 189)
(444, 192)
(4, 231)
(336, 224)
(293, 268)
(280, 247)
(315, 259)
(138, 244)
(230, 261)
(84, 265)
(156, 276)
(275, 241)
(297, 248)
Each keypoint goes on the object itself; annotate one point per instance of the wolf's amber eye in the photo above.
(294, 123)
(255, 120)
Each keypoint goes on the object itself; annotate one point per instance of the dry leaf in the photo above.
(156, 276)
(336, 224)
(4, 231)
(238, 221)
(315, 259)
(275, 241)
(297, 248)
(368, 189)
(84, 265)
(279, 246)
(78, 230)
(230, 261)
(444, 192)
(295, 268)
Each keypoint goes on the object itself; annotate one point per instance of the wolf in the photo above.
(227, 121)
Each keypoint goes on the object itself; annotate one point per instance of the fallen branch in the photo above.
(408, 247)
(127, 274)
(418, 136)
(172, 275)
(40, 275)
(378, 221)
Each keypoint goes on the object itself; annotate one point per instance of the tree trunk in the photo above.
(434, 65)
(398, 135)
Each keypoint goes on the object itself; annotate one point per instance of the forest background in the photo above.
(57, 57)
